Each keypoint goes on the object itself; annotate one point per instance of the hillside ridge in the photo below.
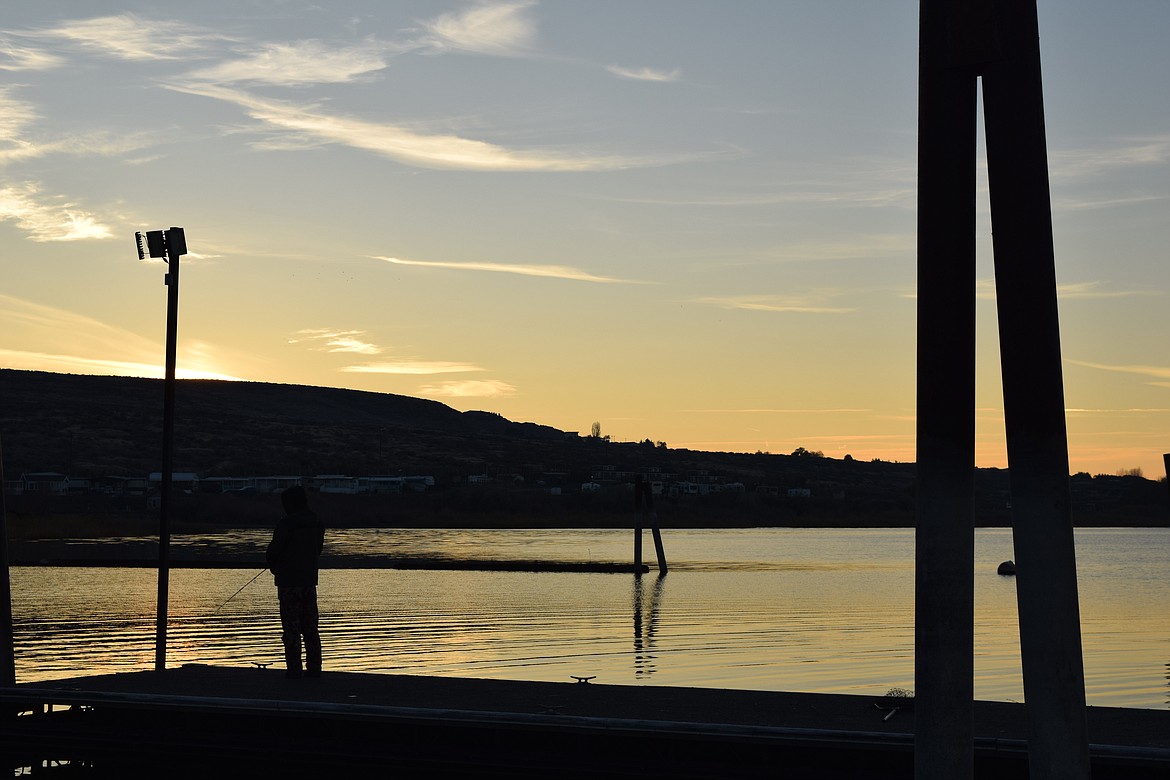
(100, 426)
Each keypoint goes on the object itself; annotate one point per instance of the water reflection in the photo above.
(768, 609)
(644, 636)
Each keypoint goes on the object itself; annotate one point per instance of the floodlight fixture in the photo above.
(165, 244)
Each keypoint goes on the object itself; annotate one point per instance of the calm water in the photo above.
(768, 609)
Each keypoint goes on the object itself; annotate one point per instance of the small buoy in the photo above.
(1006, 568)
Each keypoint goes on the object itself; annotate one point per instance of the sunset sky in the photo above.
(689, 221)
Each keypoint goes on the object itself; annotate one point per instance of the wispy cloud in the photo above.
(407, 146)
(328, 340)
(765, 410)
(36, 323)
(547, 271)
(1154, 410)
(1093, 204)
(48, 219)
(863, 181)
(488, 388)
(814, 302)
(985, 290)
(20, 58)
(1157, 372)
(498, 29)
(16, 143)
(94, 144)
(300, 63)
(355, 342)
(15, 116)
(74, 364)
(878, 197)
(131, 37)
(97, 143)
(1123, 153)
(65, 341)
(412, 366)
(644, 74)
(1094, 290)
(870, 246)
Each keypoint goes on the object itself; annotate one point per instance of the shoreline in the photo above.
(354, 563)
(40, 530)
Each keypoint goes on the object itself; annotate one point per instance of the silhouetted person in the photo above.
(292, 556)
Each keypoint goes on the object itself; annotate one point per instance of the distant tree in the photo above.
(595, 431)
(660, 445)
(1135, 472)
(801, 452)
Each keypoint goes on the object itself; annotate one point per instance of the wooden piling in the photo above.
(645, 515)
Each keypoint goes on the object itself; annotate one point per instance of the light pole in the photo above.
(170, 245)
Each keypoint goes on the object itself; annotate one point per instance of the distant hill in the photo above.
(98, 426)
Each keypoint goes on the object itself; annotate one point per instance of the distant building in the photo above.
(333, 483)
(418, 483)
(276, 484)
(124, 486)
(225, 485)
(45, 483)
(379, 485)
(186, 481)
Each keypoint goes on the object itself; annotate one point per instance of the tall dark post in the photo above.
(1033, 395)
(1166, 465)
(962, 40)
(169, 245)
(7, 635)
(944, 537)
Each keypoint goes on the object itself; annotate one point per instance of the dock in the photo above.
(197, 720)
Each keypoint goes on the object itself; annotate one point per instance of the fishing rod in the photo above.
(241, 590)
